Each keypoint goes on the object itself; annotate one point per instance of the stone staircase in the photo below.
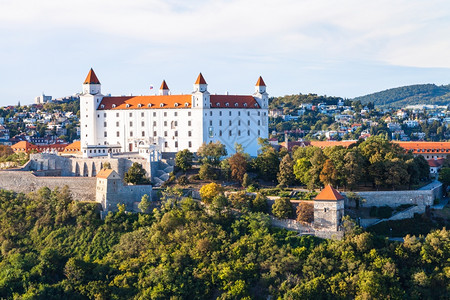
(165, 166)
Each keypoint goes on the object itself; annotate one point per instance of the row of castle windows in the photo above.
(239, 133)
(173, 124)
(143, 114)
(105, 134)
(229, 123)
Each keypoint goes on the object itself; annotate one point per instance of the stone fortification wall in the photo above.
(48, 164)
(422, 197)
(82, 188)
(334, 235)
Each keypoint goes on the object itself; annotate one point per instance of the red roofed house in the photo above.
(328, 210)
(26, 147)
(170, 122)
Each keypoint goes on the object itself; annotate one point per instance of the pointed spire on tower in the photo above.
(164, 86)
(200, 79)
(91, 78)
(260, 82)
(164, 89)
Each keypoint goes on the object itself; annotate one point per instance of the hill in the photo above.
(409, 95)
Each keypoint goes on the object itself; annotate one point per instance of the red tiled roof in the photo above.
(23, 146)
(436, 162)
(260, 82)
(329, 193)
(164, 86)
(200, 79)
(91, 78)
(104, 173)
(234, 101)
(74, 147)
(425, 147)
(143, 102)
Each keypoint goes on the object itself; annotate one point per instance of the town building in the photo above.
(112, 124)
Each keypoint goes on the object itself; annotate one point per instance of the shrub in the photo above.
(183, 180)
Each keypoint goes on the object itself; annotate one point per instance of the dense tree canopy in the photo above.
(55, 248)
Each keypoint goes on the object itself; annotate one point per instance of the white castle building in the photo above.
(169, 123)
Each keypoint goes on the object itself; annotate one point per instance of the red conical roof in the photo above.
(260, 82)
(164, 86)
(91, 78)
(329, 193)
(200, 79)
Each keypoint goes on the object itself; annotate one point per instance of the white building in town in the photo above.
(169, 123)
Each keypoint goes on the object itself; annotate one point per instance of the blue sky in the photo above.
(341, 48)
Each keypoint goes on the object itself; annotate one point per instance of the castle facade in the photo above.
(168, 123)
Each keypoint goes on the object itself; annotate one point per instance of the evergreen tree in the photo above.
(286, 175)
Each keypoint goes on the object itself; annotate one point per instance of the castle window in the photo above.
(143, 133)
(165, 123)
(154, 113)
(104, 115)
(106, 134)
(189, 133)
(142, 123)
(139, 105)
(220, 122)
(239, 113)
(117, 124)
(190, 144)
(217, 104)
(248, 113)
(239, 123)
(229, 113)
(154, 133)
(189, 113)
(175, 114)
(220, 132)
(248, 132)
(154, 123)
(149, 105)
(229, 122)
(117, 115)
(161, 105)
(186, 104)
(104, 124)
(142, 114)
(113, 106)
(229, 132)
(256, 104)
(131, 133)
(128, 105)
(248, 122)
(259, 132)
(176, 144)
(235, 105)
(245, 104)
(259, 122)
(259, 113)
(165, 114)
(117, 134)
(102, 106)
(325, 209)
(189, 123)
(176, 104)
(210, 122)
(131, 124)
(239, 133)
(227, 104)
(98, 116)
(210, 113)
(176, 133)
(165, 133)
(131, 114)
(264, 114)
(166, 145)
(220, 113)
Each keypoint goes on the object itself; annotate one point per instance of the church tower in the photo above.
(260, 94)
(200, 96)
(164, 89)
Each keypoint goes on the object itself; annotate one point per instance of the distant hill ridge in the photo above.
(409, 95)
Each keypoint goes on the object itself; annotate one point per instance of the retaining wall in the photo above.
(82, 188)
